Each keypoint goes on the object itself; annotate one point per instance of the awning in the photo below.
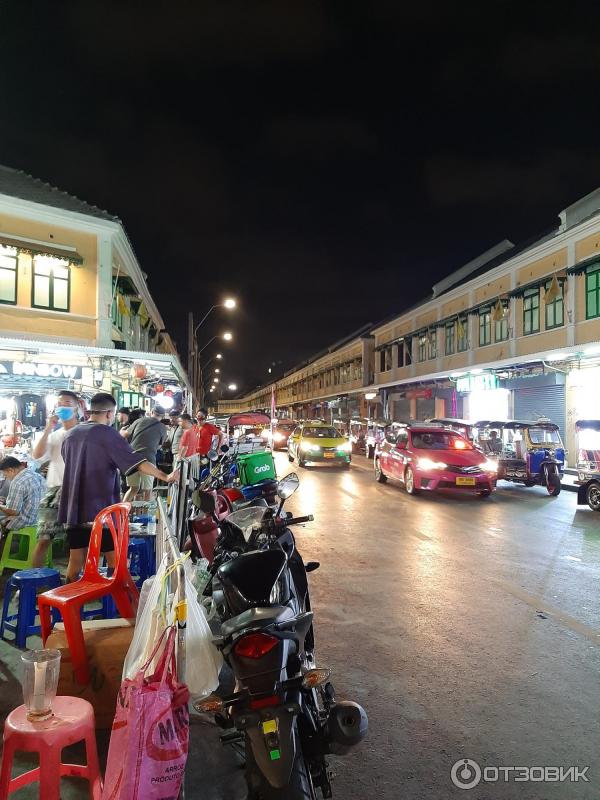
(40, 248)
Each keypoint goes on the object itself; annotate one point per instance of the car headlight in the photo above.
(427, 463)
(306, 446)
(489, 466)
(345, 446)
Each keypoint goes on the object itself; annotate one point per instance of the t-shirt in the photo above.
(198, 440)
(24, 496)
(145, 437)
(56, 465)
(93, 455)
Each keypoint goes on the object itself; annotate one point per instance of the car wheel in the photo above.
(346, 465)
(409, 481)
(379, 476)
(484, 493)
(593, 496)
(301, 462)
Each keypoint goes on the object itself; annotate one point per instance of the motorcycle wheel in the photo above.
(300, 786)
(593, 496)
(553, 483)
(379, 476)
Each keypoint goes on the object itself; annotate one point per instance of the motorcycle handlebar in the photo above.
(298, 520)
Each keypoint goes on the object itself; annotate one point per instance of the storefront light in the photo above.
(7, 405)
(556, 357)
(593, 350)
(165, 401)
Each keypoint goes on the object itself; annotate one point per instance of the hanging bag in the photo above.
(150, 734)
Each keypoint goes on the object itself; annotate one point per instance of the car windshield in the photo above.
(439, 440)
(285, 428)
(248, 519)
(320, 433)
(544, 436)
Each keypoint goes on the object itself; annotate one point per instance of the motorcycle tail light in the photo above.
(255, 645)
(265, 702)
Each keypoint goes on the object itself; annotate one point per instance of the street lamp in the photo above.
(229, 303)
(217, 370)
(226, 336)
(232, 387)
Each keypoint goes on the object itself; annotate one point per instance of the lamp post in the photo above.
(194, 367)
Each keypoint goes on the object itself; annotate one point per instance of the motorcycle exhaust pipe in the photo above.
(346, 727)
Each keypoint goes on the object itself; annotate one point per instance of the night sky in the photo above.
(323, 162)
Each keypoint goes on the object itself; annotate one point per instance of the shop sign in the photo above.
(477, 383)
(40, 370)
(419, 394)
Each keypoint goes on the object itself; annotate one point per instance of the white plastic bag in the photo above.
(203, 661)
(149, 625)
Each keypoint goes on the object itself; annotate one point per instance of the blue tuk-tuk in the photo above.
(531, 453)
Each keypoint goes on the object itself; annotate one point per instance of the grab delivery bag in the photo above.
(256, 467)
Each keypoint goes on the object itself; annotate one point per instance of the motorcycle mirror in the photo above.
(224, 448)
(212, 455)
(204, 461)
(288, 485)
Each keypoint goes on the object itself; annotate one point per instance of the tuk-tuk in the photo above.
(588, 463)
(357, 433)
(531, 453)
(462, 426)
(375, 434)
(245, 431)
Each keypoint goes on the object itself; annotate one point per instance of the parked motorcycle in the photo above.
(283, 712)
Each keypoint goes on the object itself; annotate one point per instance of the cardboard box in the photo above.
(107, 642)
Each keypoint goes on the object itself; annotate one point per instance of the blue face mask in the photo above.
(64, 413)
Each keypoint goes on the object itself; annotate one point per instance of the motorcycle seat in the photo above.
(256, 618)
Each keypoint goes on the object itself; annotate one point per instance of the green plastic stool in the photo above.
(22, 558)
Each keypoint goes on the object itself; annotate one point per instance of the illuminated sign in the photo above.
(477, 383)
(40, 370)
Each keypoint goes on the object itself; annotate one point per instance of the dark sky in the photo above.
(325, 162)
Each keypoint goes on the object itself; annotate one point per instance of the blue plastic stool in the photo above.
(141, 559)
(26, 582)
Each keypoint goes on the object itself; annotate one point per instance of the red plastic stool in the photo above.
(73, 721)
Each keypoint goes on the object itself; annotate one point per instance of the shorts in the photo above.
(140, 481)
(78, 537)
(49, 527)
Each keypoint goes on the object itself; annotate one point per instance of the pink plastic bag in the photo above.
(150, 733)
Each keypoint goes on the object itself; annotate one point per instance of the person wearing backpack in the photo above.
(145, 437)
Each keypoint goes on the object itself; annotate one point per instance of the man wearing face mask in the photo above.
(198, 440)
(94, 454)
(48, 448)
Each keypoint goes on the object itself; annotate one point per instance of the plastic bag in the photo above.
(203, 660)
(200, 575)
(149, 625)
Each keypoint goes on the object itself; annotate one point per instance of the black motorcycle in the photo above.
(283, 712)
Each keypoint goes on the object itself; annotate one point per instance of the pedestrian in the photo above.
(123, 417)
(94, 453)
(48, 448)
(185, 423)
(198, 440)
(134, 414)
(145, 437)
(24, 496)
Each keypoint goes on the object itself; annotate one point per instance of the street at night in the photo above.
(467, 627)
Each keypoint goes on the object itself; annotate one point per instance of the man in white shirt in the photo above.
(48, 448)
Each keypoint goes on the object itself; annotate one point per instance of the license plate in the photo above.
(329, 455)
(465, 481)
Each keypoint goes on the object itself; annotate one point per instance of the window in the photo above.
(8, 274)
(385, 359)
(432, 339)
(485, 326)
(450, 337)
(461, 335)
(422, 347)
(555, 311)
(501, 326)
(592, 292)
(531, 311)
(408, 352)
(51, 283)
(400, 354)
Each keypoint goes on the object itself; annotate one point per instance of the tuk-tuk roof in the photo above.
(515, 424)
(451, 421)
(382, 422)
(588, 424)
(249, 418)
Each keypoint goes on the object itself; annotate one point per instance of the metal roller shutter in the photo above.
(401, 410)
(542, 401)
(425, 408)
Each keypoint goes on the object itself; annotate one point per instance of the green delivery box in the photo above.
(256, 467)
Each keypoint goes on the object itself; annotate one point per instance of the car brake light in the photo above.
(255, 645)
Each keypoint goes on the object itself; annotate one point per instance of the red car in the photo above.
(426, 458)
(281, 433)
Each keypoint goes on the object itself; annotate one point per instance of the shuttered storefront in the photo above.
(541, 401)
(425, 408)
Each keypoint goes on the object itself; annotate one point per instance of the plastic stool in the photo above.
(22, 559)
(140, 559)
(73, 721)
(26, 582)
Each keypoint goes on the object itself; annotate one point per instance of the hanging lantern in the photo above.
(140, 371)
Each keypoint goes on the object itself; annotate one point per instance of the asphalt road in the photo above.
(467, 627)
